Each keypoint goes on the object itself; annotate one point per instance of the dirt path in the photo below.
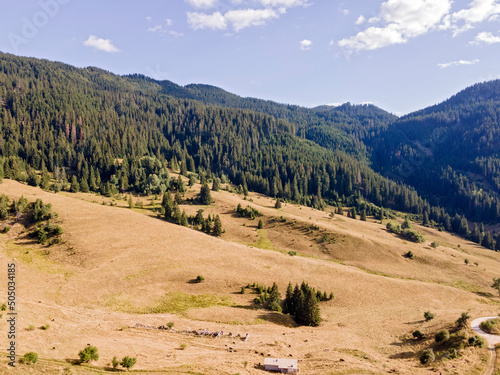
(491, 340)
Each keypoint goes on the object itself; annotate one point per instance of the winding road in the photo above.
(491, 340)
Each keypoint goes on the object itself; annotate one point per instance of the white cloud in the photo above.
(404, 19)
(155, 28)
(345, 12)
(202, 3)
(214, 21)
(239, 19)
(457, 63)
(249, 17)
(361, 19)
(169, 22)
(100, 44)
(478, 11)
(485, 37)
(305, 45)
(148, 18)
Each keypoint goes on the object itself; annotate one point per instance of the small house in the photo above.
(285, 366)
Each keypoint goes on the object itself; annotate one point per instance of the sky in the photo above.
(400, 55)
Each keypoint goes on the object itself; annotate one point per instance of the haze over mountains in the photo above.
(442, 161)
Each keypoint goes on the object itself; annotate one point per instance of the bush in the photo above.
(5, 229)
(418, 334)
(442, 336)
(462, 321)
(29, 358)
(428, 316)
(260, 225)
(115, 362)
(128, 362)
(435, 244)
(409, 255)
(170, 324)
(199, 279)
(427, 357)
(477, 341)
(491, 326)
(89, 354)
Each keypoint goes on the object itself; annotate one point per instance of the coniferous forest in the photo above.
(90, 130)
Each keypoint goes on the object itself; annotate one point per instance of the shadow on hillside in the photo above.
(402, 355)
(415, 322)
(279, 319)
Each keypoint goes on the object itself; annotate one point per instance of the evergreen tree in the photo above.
(199, 217)
(177, 215)
(487, 241)
(1, 170)
(275, 299)
(192, 179)
(406, 224)
(75, 186)
(181, 188)
(287, 308)
(205, 197)
(363, 215)
(217, 231)
(168, 204)
(260, 225)
(216, 184)
(476, 234)
(84, 186)
(278, 204)
(178, 198)
(184, 219)
(425, 219)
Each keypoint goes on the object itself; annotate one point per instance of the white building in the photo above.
(285, 366)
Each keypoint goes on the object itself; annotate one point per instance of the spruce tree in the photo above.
(75, 186)
(216, 184)
(168, 204)
(217, 231)
(363, 215)
(425, 219)
(184, 219)
(278, 204)
(181, 188)
(205, 197)
(287, 308)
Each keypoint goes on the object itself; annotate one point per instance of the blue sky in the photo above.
(401, 55)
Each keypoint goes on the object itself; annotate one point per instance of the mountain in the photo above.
(449, 152)
(109, 133)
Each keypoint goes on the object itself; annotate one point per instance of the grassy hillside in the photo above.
(116, 267)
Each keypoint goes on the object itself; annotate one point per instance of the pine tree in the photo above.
(260, 225)
(75, 186)
(1, 170)
(205, 197)
(476, 234)
(181, 188)
(168, 204)
(217, 231)
(184, 219)
(84, 186)
(363, 215)
(287, 308)
(278, 204)
(178, 198)
(199, 217)
(216, 184)
(275, 298)
(177, 215)
(425, 219)
(488, 241)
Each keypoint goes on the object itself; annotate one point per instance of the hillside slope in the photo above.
(116, 265)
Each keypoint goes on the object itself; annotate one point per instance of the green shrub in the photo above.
(242, 290)
(3, 307)
(170, 324)
(442, 336)
(115, 362)
(427, 357)
(477, 341)
(462, 321)
(29, 358)
(418, 334)
(428, 316)
(409, 255)
(5, 229)
(88, 354)
(292, 253)
(435, 244)
(45, 327)
(491, 326)
(128, 362)
(199, 279)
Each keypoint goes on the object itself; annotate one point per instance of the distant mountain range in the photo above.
(442, 161)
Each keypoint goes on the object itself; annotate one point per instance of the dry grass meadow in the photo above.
(118, 266)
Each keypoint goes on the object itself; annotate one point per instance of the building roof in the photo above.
(280, 362)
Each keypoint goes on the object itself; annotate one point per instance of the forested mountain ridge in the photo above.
(108, 133)
(449, 152)
(76, 124)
